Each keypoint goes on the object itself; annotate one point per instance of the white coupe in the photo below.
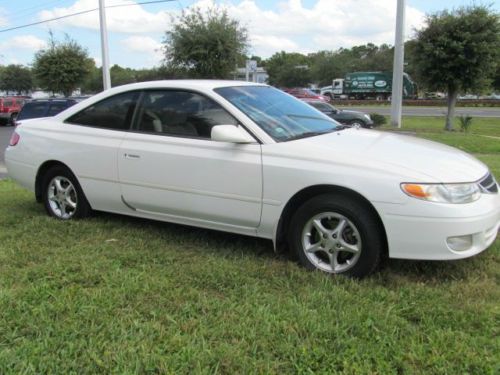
(250, 159)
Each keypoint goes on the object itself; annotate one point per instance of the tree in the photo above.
(206, 45)
(122, 76)
(288, 69)
(16, 78)
(62, 67)
(458, 51)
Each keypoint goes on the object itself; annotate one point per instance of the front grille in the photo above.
(488, 184)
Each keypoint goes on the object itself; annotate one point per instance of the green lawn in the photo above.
(114, 294)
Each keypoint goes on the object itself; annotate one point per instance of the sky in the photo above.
(136, 31)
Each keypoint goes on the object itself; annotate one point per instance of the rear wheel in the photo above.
(62, 195)
(336, 234)
(12, 119)
(357, 123)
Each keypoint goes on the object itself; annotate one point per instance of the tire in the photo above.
(12, 119)
(63, 197)
(342, 236)
(356, 123)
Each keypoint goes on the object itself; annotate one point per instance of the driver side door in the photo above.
(169, 166)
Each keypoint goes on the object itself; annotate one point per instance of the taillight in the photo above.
(14, 139)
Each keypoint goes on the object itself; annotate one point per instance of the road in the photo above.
(5, 133)
(429, 111)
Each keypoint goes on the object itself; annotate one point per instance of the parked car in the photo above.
(302, 93)
(37, 108)
(9, 108)
(353, 118)
(250, 159)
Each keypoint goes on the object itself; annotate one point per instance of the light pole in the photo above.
(397, 69)
(106, 78)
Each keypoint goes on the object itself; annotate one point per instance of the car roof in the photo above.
(181, 84)
(50, 100)
(206, 84)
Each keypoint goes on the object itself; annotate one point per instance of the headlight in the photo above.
(368, 117)
(443, 193)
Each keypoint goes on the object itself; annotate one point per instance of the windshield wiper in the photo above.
(341, 127)
(309, 134)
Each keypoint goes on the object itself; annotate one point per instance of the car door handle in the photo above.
(132, 156)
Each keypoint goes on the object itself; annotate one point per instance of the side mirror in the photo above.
(231, 133)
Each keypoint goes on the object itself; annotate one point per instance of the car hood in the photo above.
(411, 158)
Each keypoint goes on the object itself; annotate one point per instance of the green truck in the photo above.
(368, 85)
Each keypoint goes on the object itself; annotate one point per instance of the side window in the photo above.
(180, 113)
(33, 110)
(111, 113)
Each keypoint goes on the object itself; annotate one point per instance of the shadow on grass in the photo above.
(214, 241)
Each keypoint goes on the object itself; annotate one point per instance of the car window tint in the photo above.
(7, 103)
(33, 110)
(56, 107)
(181, 113)
(111, 113)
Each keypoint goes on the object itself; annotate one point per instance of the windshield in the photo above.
(281, 116)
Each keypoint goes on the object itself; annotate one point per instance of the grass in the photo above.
(114, 294)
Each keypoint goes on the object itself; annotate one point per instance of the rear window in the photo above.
(114, 112)
(33, 110)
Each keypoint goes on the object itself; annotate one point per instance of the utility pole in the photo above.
(106, 78)
(397, 69)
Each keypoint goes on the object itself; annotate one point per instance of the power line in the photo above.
(83, 12)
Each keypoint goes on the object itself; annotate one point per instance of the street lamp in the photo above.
(106, 78)
(397, 69)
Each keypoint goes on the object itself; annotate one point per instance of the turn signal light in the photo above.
(415, 190)
(14, 139)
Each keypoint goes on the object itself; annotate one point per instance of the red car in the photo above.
(302, 93)
(9, 108)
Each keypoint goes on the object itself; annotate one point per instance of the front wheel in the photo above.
(336, 234)
(62, 195)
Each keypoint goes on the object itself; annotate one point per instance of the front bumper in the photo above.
(425, 233)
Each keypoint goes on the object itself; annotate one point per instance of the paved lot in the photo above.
(429, 111)
(5, 133)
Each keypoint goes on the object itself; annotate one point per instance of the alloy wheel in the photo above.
(331, 242)
(62, 197)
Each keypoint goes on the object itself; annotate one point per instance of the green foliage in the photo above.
(16, 78)
(378, 119)
(465, 123)
(324, 66)
(206, 45)
(458, 51)
(62, 67)
(288, 69)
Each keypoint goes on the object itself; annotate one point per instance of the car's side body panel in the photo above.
(192, 178)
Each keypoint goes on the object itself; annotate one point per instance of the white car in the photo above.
(250, 159)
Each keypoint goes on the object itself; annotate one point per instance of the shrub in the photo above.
(465, 123)
(378, 119)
